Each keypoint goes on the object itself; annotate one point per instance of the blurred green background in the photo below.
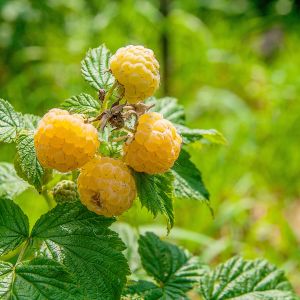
(234, 65)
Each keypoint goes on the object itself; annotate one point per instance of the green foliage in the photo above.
(243, 279)
(169, 108)
(11, 122)
(155, 192)
(30, 121)
(11, 184)
(14, 226)
(174, 270)
(174, 112)
(188, 181)
(82, 104)
(95, 68)
(74, 254)
(81, 240)
(193, 135)
(28, 165)
(40, 278)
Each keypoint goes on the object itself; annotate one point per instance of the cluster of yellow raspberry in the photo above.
(66, 142)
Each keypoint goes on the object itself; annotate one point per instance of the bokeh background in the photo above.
(234, 65)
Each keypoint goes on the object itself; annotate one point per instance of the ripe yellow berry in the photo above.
(64, 142)
(106, 186)
(155, 147)
(136, 68)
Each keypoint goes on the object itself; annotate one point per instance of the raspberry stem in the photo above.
(46, 196)
(107, 97)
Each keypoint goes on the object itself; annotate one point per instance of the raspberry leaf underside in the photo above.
(83, 243)
(169, 108)
(155, 192)
(11, 185)
(27, 164)
(14, 226)
(189, 135)
(95, 68)
(11, 122)
(174, 112)
(30, 121)
(242, 279)
(40, 278)
(82, 104)
(174, 270)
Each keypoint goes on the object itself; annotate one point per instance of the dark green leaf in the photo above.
(147, 289)
(174, 270)
(95, 68)
(30, 121)
(188, 181)
(193, 135)
(241, 279)
(40, 278)
(14, 226)
(82, 104)
(155, 193)
(27, 164)
(169, 108)
(10, 122)
(11, 185)
(82, 241)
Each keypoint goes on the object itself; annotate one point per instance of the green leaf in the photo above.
(169, 108)
(26, 162)
(155, 193)
(188, 182)
(11, 185)
(174, 270)
(14, 226)
(82, 241)
(10, 122)
(30, 121)
(82, 104)
(241, 279)
(193, 135)
(174, 112)
(95, 68)
(40, 278)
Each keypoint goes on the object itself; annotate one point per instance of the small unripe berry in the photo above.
(155, 147)
(106, 186)
(136, 68)
(64, 142)
(65, 191)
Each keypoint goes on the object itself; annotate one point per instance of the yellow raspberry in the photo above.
(106, 186)
(155, 147)
(136, 68)
(64, 142)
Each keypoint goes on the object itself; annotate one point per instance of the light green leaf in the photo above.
(155, 193)
(11, 185)
(193, 135)
(40, 278)
(26, 162)
(241, 279)
(174, 270)
(95, 68)
(30, 121)
(82, 241)
(10, 122)
(169, 108)
(188, 181)
(82, 104)
(14, 226)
